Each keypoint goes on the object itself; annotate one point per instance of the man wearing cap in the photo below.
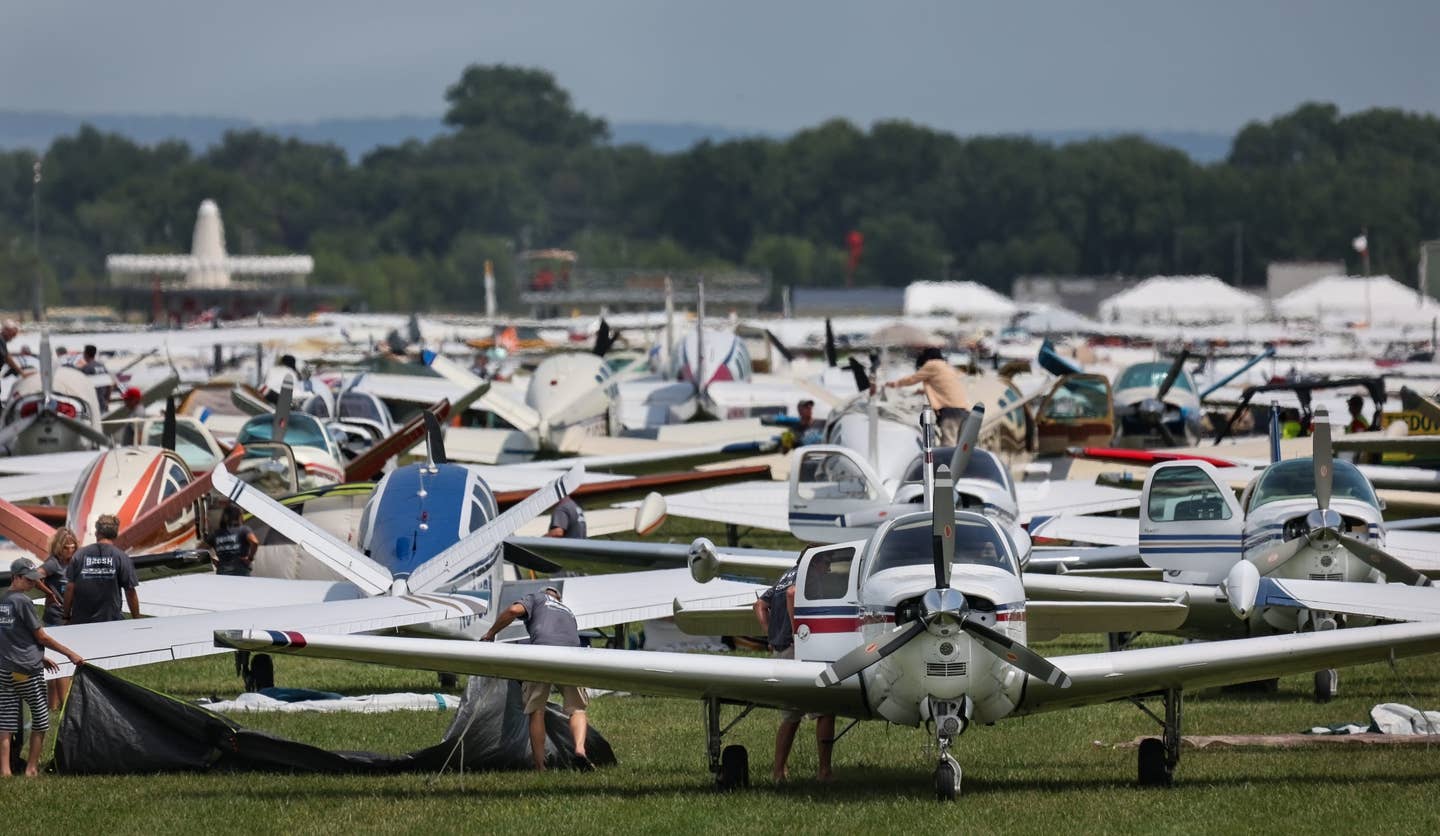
(549, 622)
(23, 665)
(806, 430)
(97, 573)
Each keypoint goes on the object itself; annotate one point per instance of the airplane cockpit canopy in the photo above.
(1295, 479)
(978, 542)
(1151, 374)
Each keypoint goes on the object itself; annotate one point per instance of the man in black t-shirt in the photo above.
(234, 544)
(97, 573)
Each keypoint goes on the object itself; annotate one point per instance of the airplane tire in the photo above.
(734, 769)
(946, 787)
(1326, 684)
(1154, 772)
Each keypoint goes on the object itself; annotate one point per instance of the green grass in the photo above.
(1035, 774)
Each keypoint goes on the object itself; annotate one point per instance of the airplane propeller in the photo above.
(944, 611)
(169, 431)
(434, 439)
(1324, 524)
(862, 378)
(830, 358)
(281, 422)
(604, 338)
(1173, 374)
(969, 436)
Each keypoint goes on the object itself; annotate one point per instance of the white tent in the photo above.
(1182, 299)
(1356, 299)
(967, 300)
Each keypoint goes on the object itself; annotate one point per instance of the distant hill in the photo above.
(37, 129)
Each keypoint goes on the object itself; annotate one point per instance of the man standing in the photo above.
(97, 574)
(775, 608)
(807, 431)
(549, 622)
(234, 544)
(9, 330)
(944, 389)
(567, 520)
(23, 665)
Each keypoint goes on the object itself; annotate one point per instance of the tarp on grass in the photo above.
(115, 727)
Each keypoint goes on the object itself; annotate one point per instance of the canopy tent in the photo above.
(1182, 299)
(1357, 299)
(968, 300)
(1046, 319)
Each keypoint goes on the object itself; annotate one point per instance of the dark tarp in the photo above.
(113, 727)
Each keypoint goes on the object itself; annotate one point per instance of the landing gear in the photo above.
(1327, 685)
(951, 718)
(1159, 755)
(1120, 641)
(730, 765)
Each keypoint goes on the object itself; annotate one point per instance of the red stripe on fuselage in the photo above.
(830, 624)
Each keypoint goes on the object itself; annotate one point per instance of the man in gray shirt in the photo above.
(567, 520)
(549, 622)
(97, 573)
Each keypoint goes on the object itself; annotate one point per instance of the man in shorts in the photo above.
(775, 608)
(23, 665)
(549, 622)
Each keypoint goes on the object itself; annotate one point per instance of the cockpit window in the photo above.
(981, 466)
(317, 407)
(832, 475)
(828, 575)
(304, 431)
(977, 542)
(1295, 479)
(1185, 494)
(1151, 374)
(356, 405)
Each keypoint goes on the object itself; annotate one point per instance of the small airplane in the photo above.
(1154, 401)
(52, 411)
(924, 623)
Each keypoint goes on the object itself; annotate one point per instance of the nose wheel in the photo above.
(951, 718)
(947, 777)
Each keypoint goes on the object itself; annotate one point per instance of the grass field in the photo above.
(1047, 773)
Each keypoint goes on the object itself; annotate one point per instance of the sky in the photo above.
(771, 65)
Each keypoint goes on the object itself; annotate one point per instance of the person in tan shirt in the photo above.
(944, 390)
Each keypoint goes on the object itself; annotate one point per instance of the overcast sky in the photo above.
(1208, 65)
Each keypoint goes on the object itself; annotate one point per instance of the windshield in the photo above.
(356, 405)
(304, 431)
(189, 443)
(982, 465)
(1151, 374)
(907, 543)
(1083, 398)
(1295, 479)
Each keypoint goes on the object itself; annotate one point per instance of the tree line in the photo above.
(410, 226)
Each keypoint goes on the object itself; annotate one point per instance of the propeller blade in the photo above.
(866, 655)
(168, 430)
(281, 422)
(604, 338)
(830, 358)
(1324, 457)
(965, 445)
(435, 438)
(1173, 374)
(84, 430)
(1279, 555)
(942, 527)
(1392, 568)
(1165, 433)
(862, 379)
(12, 431)
(1014, 652)
(47, 368)
(779, 346)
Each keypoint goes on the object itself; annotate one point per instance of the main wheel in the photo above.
(1154, 771)
(947, 782)
(1327, 684)
(734, 769)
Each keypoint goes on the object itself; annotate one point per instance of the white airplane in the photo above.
(1155, 401)
(924, 623)
(52, 411)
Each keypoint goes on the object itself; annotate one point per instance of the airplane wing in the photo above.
(515, 413)
(601, 556)
(782, 683)
(604, 600)
(758, 504)
(336, 554)
(1102, 677)
(193, 594)
(37, 485)
(1077, 528)
(119, 644)
(1419, 549)
(1046, 620)
(1040, 500)
(45, 463)
(1389, 602)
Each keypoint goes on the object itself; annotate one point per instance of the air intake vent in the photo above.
(945, 668)
(1327, 576)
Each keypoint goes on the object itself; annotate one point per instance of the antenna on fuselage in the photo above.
(168, 430)
(434, 440)
(1274, 432)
